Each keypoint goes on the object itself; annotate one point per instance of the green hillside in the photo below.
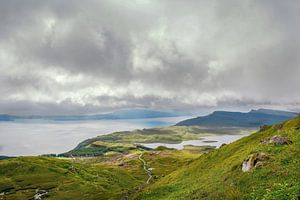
(264, 165)
(111, 176)
(133, 140)
(274, 173)
(22, 178)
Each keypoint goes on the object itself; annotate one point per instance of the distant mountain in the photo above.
(6, 118)
(254, 118)
(4, 157)
(120, 114)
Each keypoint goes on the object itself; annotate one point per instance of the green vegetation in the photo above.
(172, 134)
(21, 177)
(198, 148)
(111, 176)
(193, 173)
(166, 161)
(219, 175)
(125, 141)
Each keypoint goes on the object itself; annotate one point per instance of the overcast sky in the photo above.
(75, 57)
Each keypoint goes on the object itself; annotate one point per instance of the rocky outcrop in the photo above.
(277, 140)
(264, 127)
(254, 161)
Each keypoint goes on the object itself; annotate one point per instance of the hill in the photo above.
(110, 176)
(264, 165)
(26, 177)
(254, 118)
(128, 140)
(4, 157)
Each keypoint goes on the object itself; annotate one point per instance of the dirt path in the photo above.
(145, 167)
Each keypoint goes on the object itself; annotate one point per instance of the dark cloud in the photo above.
(93, 56)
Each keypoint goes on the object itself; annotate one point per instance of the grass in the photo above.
(105, 177)
(218, 175)
(125, 141)
(198, 148)
(192, 173)
(63, 179)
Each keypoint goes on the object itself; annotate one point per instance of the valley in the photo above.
(261, 165)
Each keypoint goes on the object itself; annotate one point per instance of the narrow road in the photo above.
(145, 167)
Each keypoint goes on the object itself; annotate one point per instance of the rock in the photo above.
(253, 161)
(277, 140)
(263, 127)
(39, 194)
(246, 166)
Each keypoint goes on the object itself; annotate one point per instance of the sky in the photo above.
(61, 57)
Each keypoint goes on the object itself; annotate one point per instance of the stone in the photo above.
(39, 194)
(254, 161)
(263, 127)
(246, 166)
(277, 140)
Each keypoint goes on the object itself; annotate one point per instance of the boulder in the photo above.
(253, 161)
(277, 140)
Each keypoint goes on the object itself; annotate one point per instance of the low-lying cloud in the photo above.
(75, 57)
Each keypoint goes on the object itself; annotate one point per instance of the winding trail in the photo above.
(145, 167)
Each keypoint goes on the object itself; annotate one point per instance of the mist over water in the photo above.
(32, 137)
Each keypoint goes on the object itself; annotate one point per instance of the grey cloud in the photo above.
(103, 55)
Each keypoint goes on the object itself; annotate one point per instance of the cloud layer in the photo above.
(70, 57)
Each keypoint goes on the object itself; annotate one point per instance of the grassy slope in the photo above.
(105, 177)
(218, 175)
(20, 177)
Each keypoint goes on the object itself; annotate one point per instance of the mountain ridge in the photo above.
(253, 118)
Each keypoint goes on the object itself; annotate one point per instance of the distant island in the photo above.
(254, 118)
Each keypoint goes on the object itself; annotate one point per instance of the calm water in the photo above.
(42, 137)
(216, 140)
